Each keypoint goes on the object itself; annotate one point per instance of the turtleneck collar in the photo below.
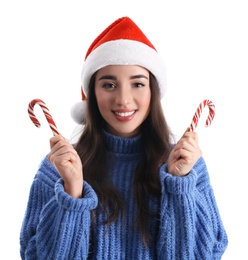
(122, 145)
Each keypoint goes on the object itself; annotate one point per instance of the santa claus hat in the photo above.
(121, 43)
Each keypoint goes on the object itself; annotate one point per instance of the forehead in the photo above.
(129, 70)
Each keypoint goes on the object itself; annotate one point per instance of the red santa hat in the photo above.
(121, 43)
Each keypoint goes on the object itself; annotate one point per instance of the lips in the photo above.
(124, 116)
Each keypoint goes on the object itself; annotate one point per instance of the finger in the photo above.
(189, 134)
(186, 152)
(186, 133)
(185, 142)
(61, 147)
(59, 141)
(55, 139)
(187, 130)
(62, 157)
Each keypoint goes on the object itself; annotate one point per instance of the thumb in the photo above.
(187, 130)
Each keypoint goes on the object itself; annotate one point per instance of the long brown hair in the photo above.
(156, 144)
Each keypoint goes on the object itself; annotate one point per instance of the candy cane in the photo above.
(199, 111)
(46, 113)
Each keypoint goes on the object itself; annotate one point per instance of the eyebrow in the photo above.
(115, 78)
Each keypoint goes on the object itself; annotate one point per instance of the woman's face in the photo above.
(123, 96)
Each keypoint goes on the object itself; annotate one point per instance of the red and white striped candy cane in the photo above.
(46, 113)
(198, 112)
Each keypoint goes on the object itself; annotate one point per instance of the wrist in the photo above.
(75, 190)
(176, 174)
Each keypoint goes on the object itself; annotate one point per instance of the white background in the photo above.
(204, 45)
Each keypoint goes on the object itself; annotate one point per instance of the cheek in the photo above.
(145, 100)
(102, 101)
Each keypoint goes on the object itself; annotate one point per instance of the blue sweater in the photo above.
(188, 226)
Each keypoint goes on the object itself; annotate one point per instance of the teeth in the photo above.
(124, 113)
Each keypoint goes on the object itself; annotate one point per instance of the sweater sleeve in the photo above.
(190, 223)
(56, 225)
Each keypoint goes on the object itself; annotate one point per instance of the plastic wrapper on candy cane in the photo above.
(46, 113)
(198, 112)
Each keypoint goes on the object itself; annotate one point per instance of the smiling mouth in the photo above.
(124, 114)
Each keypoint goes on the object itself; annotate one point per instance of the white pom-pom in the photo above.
(78, 112)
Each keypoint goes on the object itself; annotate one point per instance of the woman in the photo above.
(123, 191)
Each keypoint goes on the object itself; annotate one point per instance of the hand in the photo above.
(184, 154)
(67, 162)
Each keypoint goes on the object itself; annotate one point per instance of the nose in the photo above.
(123, 95)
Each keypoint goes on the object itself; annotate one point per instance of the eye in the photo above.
(138, 85)
(108, 86)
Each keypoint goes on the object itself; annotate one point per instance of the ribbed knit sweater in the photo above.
(58, 227)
